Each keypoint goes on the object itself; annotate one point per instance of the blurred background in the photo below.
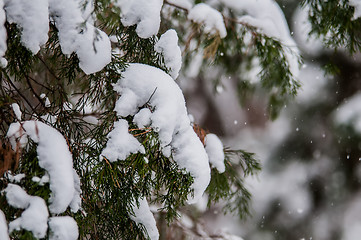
(310, 184)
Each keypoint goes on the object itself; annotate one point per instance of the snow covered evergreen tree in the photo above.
(96, 140)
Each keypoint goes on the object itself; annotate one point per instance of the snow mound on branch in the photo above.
(3, 45)
(77, 35)
(142, 84)
(32, 17)
(4, 233)
(210, 18)
(63, 228)
(35, 216)
(121, 143)
(143, 215)
(168, 47)
(144, 13)
(91, 45)
(214, 149)
(54, 157)
(142, 118)
(75, 203)
(268, 18)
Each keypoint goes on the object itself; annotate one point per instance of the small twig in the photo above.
(142, 133)
(49, 69)
(176, 6)
(147, 102)
(19, 92)
(40, 84)
(34, 92)
(138, 129)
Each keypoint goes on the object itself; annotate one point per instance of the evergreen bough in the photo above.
(110, 188)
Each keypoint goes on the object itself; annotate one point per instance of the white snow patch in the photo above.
(144, 13)
(54, 157)
(143, 215)
(121, 143)
(63, 228)
(75, 203)
(16, 110)
(35, 216)
(142, 118)
(168, 47)
(16, 135)
(214, 149)
(47, 101)
(143, 84)
(211, 19)
(32, 17)
(90, 44)
(17, 178)
(44, 179)
(4, 232)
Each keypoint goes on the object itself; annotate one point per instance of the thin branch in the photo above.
(49, 69)
(19, 92)
(34, 92)
(176, 6)
(42, 85)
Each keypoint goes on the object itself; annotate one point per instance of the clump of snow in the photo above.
(350, 113)
(63, 228)
(75, 203)
(168, 47)
(47, 101)
(121, 143)
(16, 135)
(35, 216)
(214, 149)
(3, 46)
(16, 110)
(357, 5)
(44, 179)
(143, 84)
(142, 118)
(90, 44)
(268, 18)
(186, 4)
(4, 233)
(17, 178)
(143, 215)
(144, 13)
(33, 19)
(54, 157)
(211, 19)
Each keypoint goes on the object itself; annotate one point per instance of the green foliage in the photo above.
(243, 49)
(333, 22)
(229, 185)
